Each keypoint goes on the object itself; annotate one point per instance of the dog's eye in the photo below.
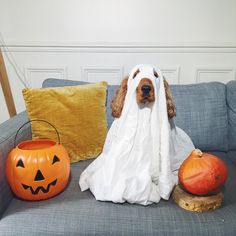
(155, 73)
(136, 72)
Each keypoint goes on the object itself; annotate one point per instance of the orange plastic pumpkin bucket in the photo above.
(37, 169)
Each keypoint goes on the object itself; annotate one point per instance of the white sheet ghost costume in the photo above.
(142, 152)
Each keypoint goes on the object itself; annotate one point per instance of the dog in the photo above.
(144, 95)
(143, 148)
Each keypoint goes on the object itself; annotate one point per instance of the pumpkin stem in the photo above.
(198, 152)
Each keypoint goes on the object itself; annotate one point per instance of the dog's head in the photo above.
(145, 89)
(144, 93)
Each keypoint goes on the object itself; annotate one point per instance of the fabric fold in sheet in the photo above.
(142, 152)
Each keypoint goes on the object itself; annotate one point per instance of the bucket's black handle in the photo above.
(58, 136)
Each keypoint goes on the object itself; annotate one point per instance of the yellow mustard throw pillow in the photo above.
(78, 113)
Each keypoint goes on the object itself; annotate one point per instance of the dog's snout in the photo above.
(146, 89)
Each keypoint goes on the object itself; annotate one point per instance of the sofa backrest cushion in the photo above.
(231, 103)
(201, 111)
(202, 114)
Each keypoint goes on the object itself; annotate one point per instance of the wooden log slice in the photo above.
(196, 203)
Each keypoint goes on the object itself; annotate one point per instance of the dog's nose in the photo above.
(146, 89)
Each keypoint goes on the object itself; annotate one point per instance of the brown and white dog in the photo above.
(143, 149)
(144, 95)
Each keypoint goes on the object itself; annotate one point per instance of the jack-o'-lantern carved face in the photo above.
(38, 169)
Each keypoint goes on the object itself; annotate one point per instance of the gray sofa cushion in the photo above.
(231, 102)
(232, 156)
(77, 213)
(7, 135)
(202, 114)
(201, 111)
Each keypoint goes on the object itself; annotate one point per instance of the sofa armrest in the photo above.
(7, 134)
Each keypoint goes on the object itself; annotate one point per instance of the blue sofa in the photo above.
(207, 112)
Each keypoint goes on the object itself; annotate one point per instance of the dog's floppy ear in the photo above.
(119, 98)
(171, 109)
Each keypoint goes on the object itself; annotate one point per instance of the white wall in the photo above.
(158, 21)
(191, 41)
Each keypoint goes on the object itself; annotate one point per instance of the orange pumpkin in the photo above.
(202, 173)
(38, 169)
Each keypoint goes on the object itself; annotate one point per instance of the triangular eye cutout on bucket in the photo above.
(20, 164)
(55, 159)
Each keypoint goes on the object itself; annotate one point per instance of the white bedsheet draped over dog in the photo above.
(142, 150)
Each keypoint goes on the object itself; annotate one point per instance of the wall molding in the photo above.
(121, 47)
(116, 71)
(174, 71)
(210, 71)
(117, 44)
(30, 71)
(170, 73)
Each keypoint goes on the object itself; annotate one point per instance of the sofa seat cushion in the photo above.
(77, 213)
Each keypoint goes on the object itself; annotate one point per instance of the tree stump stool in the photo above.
(196, 203)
